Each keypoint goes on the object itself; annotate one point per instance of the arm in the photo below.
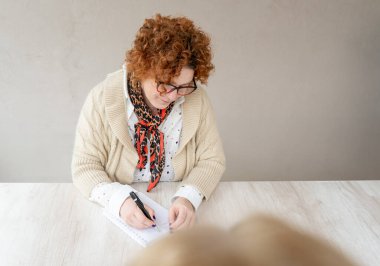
(209, 154)
(91, 145)
(207, 172)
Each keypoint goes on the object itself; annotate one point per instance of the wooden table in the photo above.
(52, 224)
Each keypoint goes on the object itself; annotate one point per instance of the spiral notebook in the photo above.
(144, 236)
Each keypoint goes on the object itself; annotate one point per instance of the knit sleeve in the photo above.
(91, 145)
(209, 154)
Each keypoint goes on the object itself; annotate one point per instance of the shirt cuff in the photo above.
(190, 193)
(117, 199)
(103, 191)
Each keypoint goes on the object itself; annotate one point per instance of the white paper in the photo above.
(145, 236)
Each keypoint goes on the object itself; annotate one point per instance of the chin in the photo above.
(162, 105)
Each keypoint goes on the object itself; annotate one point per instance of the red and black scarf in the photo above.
(147, 129)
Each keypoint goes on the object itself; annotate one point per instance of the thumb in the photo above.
(172, 214)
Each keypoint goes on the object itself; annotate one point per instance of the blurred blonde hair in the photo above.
(259, 240)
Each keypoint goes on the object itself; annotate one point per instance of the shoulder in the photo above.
(198, 97)
(198, 103)
(114, 79)
(111, 85)
(196, 107)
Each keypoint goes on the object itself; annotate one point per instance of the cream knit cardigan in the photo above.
(103, 150)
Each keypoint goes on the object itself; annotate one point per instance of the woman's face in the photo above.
(153, 98)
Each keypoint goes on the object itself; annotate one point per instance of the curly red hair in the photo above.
(164, 45)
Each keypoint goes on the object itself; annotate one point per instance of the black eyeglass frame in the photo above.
(176, 87)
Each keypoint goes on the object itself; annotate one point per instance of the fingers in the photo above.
(140, 222)
(189, 222)
(150, 211)
(181, 217)
(181, 214)
(141, 219)
(133, 216)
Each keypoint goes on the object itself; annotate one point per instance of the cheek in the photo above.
(155, 96)
(151, 94)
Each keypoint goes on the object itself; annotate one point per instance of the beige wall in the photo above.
(296, 88)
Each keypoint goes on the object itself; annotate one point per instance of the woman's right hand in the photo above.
(133, 216)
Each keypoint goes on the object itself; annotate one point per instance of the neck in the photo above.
(153, 109)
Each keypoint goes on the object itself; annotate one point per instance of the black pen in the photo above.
(139, 204)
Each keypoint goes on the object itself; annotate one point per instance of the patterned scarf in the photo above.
(147, 129)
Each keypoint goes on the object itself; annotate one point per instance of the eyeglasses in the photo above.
(182, 90)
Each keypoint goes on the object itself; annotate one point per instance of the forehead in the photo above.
(184, 77)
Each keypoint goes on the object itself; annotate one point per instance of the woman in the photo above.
(151, 122)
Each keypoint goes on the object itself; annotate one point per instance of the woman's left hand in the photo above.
(181, 214)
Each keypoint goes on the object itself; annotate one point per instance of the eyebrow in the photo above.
(182, 83)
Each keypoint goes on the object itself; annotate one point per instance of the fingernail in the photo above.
(154, 225)
(154, 217)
